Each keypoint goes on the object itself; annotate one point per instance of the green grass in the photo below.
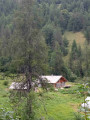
(4, 93)
(80, 40)
(59, 105)
(78, 36)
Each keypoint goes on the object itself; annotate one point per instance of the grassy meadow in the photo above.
(59, 106)
(77, 36)
(51, 105)
(4, 92)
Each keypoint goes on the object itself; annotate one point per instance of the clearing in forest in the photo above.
(78, 36)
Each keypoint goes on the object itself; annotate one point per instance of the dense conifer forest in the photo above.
(52, 19)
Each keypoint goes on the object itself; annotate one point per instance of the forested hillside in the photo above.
(50, 21)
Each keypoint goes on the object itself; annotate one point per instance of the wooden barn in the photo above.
(56, 81)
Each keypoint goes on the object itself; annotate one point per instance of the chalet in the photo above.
(56, 81)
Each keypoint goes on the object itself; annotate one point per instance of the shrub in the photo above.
(73, 77)
(78, 117)
(5, 95)
(5, 83)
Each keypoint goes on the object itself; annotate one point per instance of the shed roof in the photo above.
(52, 78)
(16, 85)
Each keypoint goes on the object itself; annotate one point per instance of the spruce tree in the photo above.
(87, 35)
(56, 61)
(29, 48)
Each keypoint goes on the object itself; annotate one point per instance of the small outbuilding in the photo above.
(17, 86)
(56, 81)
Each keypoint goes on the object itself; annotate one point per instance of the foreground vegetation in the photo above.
(51, 105)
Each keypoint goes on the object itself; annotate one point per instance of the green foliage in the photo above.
(87, 35)
(64, 18)
(74, 50)
(56, 60)
(83, 88)
(78, 117)
(56, 101)
(76, 60)
(24, 105)
(48, 33)
(5, 83)
(26, 112)
(65, 14)
(65, 42)
(66, 72)
(4, 63)
(65, 101)
(53, 18)
(76, 22)
(73, 77)
(7, 115)
(26, 29)
(32, 51)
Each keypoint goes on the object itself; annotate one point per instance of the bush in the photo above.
(4, 95)
(5, 83)
(73, 77)
(78, 117)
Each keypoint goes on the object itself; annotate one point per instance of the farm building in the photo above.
(56, 81)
